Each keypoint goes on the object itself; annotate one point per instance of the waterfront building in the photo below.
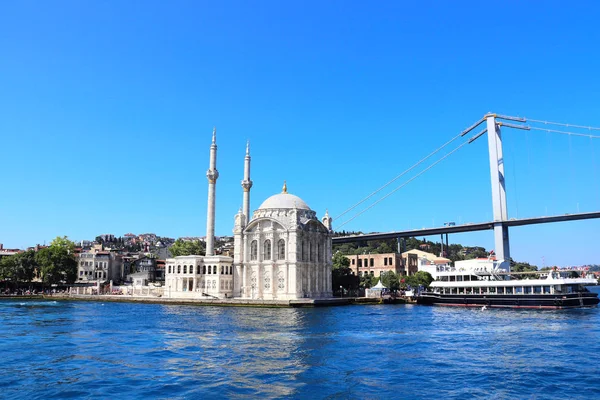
(140, 271)
(7, 252)
(98, 266)
(376, 264)
(282, 252)
(418, 260)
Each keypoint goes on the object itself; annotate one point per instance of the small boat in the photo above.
(487, 283)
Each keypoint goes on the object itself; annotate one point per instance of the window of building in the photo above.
(169, 269)
(281, 249)
(253, 250)
(353, 261)
(185, 269)
(311, 252)
(221, 270)
(372, 262)
(80, 273)
(390, 261)
(372, 273)
(204, 269)
(385, 261)
(359, 263)
(179, 269)
(267, 250)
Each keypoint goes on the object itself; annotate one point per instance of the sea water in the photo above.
(75, 349)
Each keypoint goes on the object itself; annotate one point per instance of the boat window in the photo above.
(468, 290)
(509, 290)
(484, 290)
(527, 289)
(570, 288)
(459, 278)
(546, 289)
(467, 277)
(537, 289)
(454, 291)
(461, 290)
(492, 290)
(452, 278)
(500, 290)
(519, 290)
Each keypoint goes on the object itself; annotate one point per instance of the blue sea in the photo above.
(75, 349)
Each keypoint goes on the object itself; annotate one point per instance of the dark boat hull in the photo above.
(543, 301)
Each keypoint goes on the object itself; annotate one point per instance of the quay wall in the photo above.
(330, 302)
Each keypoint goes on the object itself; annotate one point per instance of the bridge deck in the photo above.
(481, 226)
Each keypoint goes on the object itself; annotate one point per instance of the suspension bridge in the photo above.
(501, 223)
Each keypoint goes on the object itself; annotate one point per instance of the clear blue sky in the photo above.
(108, 107)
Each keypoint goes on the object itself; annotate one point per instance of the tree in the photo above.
(8, 269)
(63, 242)
(422, 278)
(57, 263)
(26, 266)
(391, 280)
(187, 248)
(341, 274)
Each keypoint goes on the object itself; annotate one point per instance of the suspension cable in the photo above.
(404, 184)
(592, 128)
(565, 132)
(401, 175)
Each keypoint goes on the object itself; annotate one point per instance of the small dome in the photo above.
(284, 200)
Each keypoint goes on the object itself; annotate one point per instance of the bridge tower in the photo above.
(501, 242)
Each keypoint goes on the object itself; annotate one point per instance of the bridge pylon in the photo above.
(501, 240)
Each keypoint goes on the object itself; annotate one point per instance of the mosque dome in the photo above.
(284, 200)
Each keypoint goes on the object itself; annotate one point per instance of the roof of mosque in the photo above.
(284, 200)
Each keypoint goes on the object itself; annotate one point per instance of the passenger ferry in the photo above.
(487, 283)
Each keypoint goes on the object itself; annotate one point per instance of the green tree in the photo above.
(26, 266)
(187, 248)
(419, 278)
(8, 269)
(390, 280)
(57, 262)
(341, 274)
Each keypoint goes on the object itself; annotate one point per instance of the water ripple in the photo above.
(93, 350)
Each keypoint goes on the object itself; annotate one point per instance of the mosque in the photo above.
(282, 252)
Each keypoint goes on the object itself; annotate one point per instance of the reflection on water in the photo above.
(79, 349)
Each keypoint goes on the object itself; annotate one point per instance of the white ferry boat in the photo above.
(486, 282)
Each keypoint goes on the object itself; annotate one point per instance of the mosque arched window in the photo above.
(254, 250)
(281, 249)
(169, 269)
(185, 269)
(179, 269)
(221, 270)
(311, 252)
(267, 250)
(204, 269)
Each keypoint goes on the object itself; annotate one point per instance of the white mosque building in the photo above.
(282, 253)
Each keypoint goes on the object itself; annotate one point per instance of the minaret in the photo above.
(327, 221)
(212, 174)
(246, 185)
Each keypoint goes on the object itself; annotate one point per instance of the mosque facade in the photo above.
(282, 252)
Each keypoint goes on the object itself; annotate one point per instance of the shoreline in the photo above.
(299, 303)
